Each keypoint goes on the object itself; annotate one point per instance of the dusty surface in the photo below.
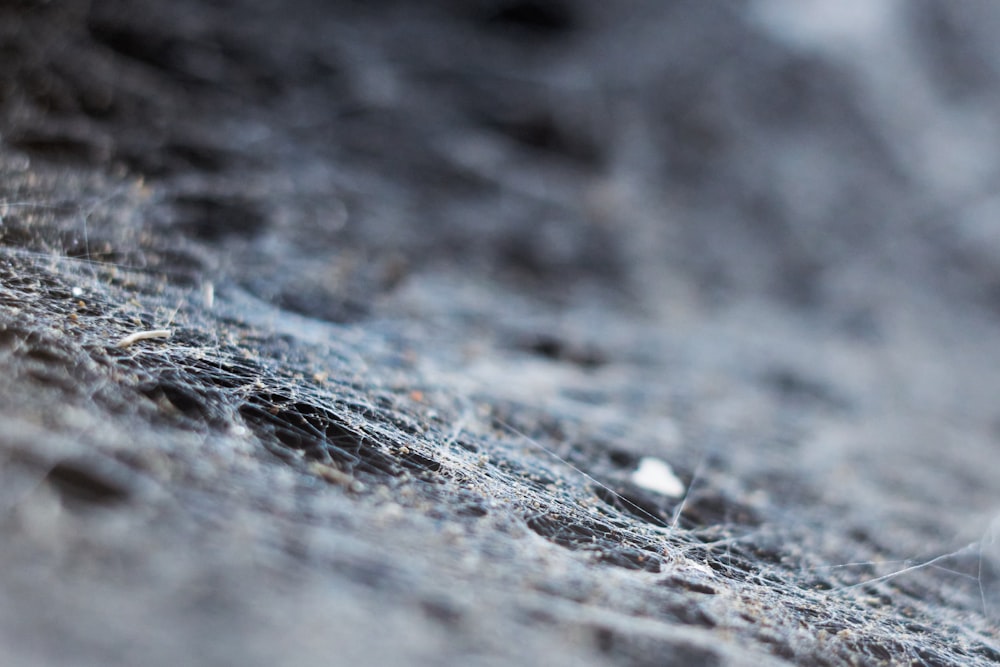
(438, 276)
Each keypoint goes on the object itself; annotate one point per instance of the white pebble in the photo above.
(656, 475)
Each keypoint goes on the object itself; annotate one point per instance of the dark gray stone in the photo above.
(437, 276)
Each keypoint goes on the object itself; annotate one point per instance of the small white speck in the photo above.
(77, 292)
(656, 475)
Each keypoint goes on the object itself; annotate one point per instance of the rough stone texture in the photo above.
(439, 274)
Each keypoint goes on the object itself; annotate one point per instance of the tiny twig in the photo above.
(143, 335)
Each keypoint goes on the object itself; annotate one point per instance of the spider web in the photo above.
(338, 412)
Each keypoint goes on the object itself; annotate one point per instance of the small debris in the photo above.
(143, 335)
(208, 295)
(336, 476)
(656, 475)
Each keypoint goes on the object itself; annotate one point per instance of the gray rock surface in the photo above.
(433, 280)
